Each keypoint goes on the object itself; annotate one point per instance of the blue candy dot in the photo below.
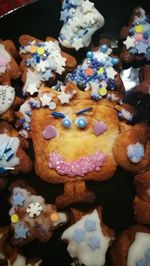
(94, 243)
(66, 123)
(90, 225)
(81, 122)
(115, 61)
(103, 48)
(79, 235)
(89, 54)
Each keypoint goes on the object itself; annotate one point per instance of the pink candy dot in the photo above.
(139, 37)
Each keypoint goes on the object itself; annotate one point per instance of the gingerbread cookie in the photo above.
(42, 62)
(136, 38)
(9, 69)
(81, 19)
(88, 238)
(31, 217)
(132, 148)
(13, 158)
(141, 202)
(132, 247)
(8, 103)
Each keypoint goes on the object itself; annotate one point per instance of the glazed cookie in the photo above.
(136, 38)
(9, 69)
(13, 158)
(132, 247)
(42, 62)
(31, 217)
(141, 202)
(11, 256)
(88, 238)
(81, 19)
(99, 73)
(132, 148)
(8, 103)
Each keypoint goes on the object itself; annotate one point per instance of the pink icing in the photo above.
(79, 167)
(3, 61)
(49, 132)
(138, 37)
(99, 128)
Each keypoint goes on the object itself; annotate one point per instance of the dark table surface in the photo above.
(41, 19)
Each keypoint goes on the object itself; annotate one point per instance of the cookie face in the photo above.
(7, 96)
(81, 19)
(63, 136)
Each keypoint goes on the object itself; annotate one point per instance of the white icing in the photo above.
(21, 261)
(138, 248)
(9, 142)
(33, 78)
(4, 56)
(82, 251)
(7, 96)
(126, 114)
(83, 21)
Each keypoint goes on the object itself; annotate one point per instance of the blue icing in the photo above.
(18, 199)
(21, 232)
(90, 225)
(146, 260)
(94, 242)
(141, 263)
(135, 152)
(79, 235)
(47, 75)
(147, 256)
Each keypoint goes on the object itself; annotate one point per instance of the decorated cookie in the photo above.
(88, 238)
(98, 74)
(42, 62)
(13, 158)
(132, 148)
(11, 256)
(31, 217)
(81, 19)
(142, 199)
(132, 247)
(144, 86)
(8, 102)
(9, 69)
(136, 38)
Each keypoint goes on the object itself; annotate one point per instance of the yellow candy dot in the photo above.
(100, 71)
(139, 28)
(54, 217)
(102, 91)
(33, 49)
(40, 51)
(14, 218)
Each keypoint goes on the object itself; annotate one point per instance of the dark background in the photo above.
(116, 195)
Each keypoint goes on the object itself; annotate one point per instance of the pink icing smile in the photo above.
(79, 167)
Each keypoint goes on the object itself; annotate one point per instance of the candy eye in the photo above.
(81, 122)
(66, 123)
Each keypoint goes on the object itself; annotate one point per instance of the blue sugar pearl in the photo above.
(66, 123)
(89, 54)
(81, 122)
(115, 61)
(103, 48)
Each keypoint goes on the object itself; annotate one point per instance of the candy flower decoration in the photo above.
(81, 19)
(138, 41)
(96, 72)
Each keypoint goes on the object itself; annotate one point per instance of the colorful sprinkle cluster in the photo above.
(81, 234)
(45, 58)
(96, 72)
(138, 41)
(146, 260)
(79, 167)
